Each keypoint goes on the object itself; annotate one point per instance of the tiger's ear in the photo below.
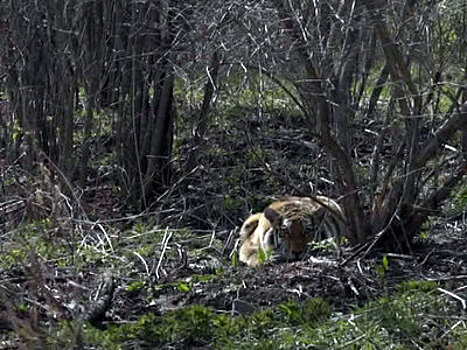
(271, 215)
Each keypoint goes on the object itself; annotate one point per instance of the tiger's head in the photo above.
(286, 235)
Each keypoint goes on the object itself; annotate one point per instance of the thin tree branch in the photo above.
(456, 122)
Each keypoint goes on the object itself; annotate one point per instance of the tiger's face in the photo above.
(294, 239)
(287, 236)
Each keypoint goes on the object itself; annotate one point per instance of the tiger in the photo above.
(286, 227)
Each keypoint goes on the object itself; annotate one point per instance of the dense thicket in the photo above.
(66, 62)
(397, 68)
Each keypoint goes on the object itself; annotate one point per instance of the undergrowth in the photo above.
(415, 316)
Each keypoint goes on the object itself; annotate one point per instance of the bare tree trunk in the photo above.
(158, 157)
(318, 103)
(209, 90)
(405, 191)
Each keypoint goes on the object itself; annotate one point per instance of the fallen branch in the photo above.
(455, 296)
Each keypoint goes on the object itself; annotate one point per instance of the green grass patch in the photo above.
(460, 199)
(200, 326)
(38, 237)
(414, 315)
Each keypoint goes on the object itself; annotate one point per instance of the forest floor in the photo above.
(194, 271)
(70, 259)
(349, 280)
